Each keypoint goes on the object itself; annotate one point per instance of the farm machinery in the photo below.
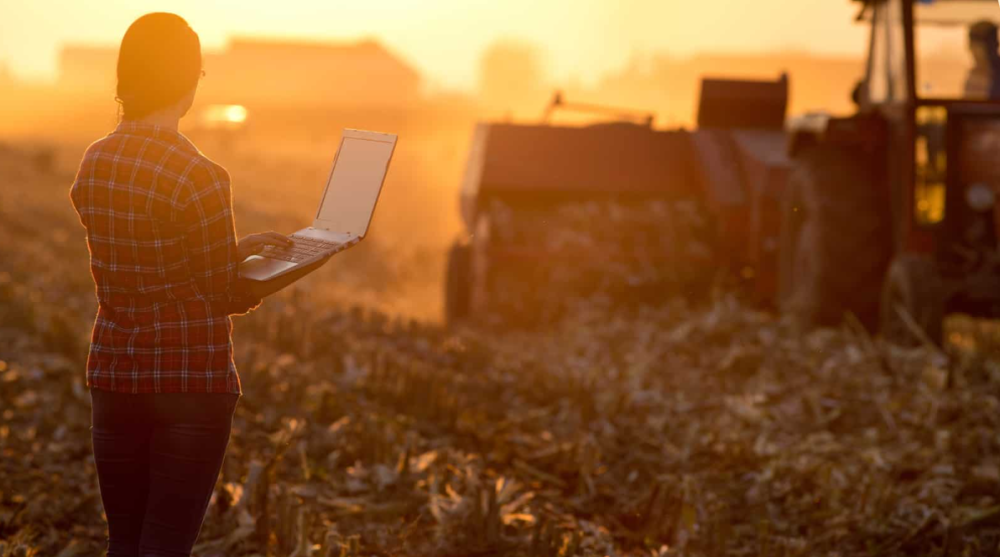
(890, 213)
(621, 207)
(887, 214)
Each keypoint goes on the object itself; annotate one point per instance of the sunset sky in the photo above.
(444, 38)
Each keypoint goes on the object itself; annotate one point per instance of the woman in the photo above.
(164, 257)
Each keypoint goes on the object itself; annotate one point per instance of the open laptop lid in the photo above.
(355, 182)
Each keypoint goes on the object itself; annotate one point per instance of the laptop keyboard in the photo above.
(303, 249)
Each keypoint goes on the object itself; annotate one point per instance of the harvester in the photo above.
(622, 206)
(886, 215)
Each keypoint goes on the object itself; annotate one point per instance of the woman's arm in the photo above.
(210, 240)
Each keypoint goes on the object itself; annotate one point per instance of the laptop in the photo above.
(345, 209)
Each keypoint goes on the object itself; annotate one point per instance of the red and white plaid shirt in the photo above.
(162, 242)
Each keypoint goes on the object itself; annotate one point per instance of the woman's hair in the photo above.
(159, 62)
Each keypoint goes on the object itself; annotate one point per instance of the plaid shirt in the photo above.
(162, 242)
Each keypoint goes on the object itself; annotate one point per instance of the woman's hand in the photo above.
(254, 243)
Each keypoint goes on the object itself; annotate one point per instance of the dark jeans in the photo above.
(158, 457)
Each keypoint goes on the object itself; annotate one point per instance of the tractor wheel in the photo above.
(458, 284)
(836, 238)
(913, 284)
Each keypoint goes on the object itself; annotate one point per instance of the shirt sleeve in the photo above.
(210, 240)
(74, 195)
(76, 190)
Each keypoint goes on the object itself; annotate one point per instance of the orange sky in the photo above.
(444, 38)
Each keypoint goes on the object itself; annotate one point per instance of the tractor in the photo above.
(890, 213)
(887, 215)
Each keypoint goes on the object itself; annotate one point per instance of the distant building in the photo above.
(266, 72)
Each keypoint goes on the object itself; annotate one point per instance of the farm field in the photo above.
(367, 429)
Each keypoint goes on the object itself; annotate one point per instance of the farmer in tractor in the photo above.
(984, 77)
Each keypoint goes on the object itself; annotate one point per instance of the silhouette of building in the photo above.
(269, 72)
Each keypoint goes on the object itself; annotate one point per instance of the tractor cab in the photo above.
(947, 113)
(890, 213)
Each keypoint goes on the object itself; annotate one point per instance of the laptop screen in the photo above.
(354, 185)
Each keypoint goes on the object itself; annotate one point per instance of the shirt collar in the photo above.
(135, 127)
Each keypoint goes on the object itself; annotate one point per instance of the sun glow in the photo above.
(235, 113)
(224, 115)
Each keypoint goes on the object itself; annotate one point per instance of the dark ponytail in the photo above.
(159, 62)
